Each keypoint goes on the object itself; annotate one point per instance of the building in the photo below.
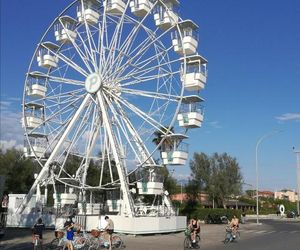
(286, 195)
(266, 194)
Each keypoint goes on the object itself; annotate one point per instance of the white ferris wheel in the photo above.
(105, 77)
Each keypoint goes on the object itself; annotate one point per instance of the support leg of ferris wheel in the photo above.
(128, 202)
(43, 174)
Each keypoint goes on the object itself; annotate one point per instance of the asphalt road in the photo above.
(271, 234)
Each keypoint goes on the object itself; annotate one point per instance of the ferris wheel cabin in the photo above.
(114, 7)
(65, 29)
(166, 14)
(140, 8)
(174, 150)
(46, 55)
(151, 183)
(188, 32)
(88, 11)
(34, 115)
(36, 85)
(38, 142)
(196, 72)
(191, 112)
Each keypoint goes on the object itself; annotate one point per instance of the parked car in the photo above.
(216, 219)
(291, 214)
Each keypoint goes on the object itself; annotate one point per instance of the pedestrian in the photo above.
(37, 229)
(69, 226)
(109, 229)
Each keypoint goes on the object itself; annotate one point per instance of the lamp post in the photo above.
(297, 152)
(256, 165)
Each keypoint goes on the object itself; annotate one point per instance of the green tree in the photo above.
(219, 175)
(17, 170)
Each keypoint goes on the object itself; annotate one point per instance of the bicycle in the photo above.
(100, 240)
(81, 241)
(37, 242)
(188, 243)
(231, 235)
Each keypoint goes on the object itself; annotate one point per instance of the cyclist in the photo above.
(38, 229)
(194, 227)
(109, 229)
(234, 225)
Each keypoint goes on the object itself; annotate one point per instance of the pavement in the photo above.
(212, 236)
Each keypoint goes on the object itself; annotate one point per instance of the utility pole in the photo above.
(297, 152)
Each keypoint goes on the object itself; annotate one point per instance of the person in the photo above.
(109, 229)
(194, 227)
(37, 229)
(234, 224)
(69, 226)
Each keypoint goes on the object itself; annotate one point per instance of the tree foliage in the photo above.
(218, 175)
(18, 171)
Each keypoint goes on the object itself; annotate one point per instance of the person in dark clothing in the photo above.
(38, 229)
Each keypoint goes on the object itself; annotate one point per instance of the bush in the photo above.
(203, 213)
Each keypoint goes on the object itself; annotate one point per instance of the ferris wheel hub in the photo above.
(93, 83)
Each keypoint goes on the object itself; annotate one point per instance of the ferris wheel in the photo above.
(106, 77)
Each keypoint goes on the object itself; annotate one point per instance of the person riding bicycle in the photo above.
(37, 229)
(109, 229)
(234, 224)
(194, 227)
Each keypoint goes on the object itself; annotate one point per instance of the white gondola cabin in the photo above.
(34, 115)
(151, 183)
(46, 55)
(166, 14)
(195, 76)
(38, 142)
(191, 112)
(36, 85)
(140, 8)
(174, 150)
(185, 40)
(115, 7)
(65, 29)
(88, 10)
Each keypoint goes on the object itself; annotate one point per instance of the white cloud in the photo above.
(11, 131)
(4, 145)
(215, 124)
(289, 117)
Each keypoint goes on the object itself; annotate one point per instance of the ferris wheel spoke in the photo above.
(77, 48)
(140, 53)
(151, 94)
(148, 119)
(90, 144)
(68, 61)
(115, 40)
(77, 133)
(126, 126)
(90, 49)
(127, 44)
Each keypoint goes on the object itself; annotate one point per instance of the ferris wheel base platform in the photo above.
(149, 225)
(125, 225)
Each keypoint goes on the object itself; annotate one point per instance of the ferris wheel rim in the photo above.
(169, 126)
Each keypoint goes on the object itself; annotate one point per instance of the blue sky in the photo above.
(253, 84)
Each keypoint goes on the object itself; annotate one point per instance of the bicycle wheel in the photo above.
(227, 238)
(187, 243)
(94, 244)
(117, 242)
(237, 235)
(54, 245)
(197, 244)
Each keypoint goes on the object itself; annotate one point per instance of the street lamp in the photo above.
(256, 165)
(297, 152)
